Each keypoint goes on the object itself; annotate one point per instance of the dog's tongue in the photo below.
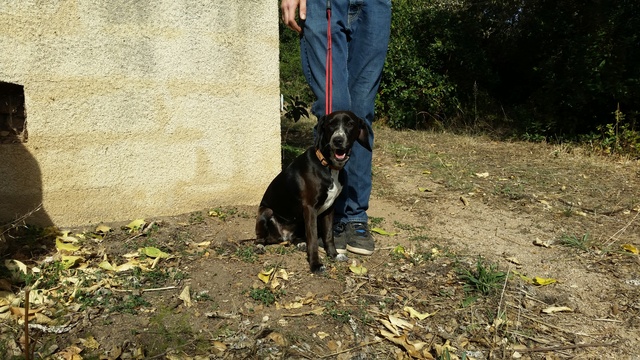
(341, 156)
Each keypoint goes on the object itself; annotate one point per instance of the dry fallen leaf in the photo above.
(61, 245)
(400, 323)
(416, 314)
(358, 269)
(543, 281)
(185, 296)
(17, 269)
(446, 349)
(464, 200)
(153, 252)
(513, 260)
(135, 225)
(539, 242)
(219, 348)
(555, 309)
(277, 338)
(68, 261)
(265, 275)
(70, 353)
(414, 349)
(102, 229)
(630, 248)
(90, 343)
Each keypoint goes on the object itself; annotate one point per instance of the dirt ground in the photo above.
(484, 250)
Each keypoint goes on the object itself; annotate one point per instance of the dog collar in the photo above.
(324, 161)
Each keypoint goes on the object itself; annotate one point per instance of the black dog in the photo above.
(299, 201)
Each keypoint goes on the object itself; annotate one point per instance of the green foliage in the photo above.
(247, 253)
(292, 81)
(414, 91)
(295, 108)
(582, 243)
(196, 218)
(619, 137)
(375, 221)
(542, 70)
(485, 279)
(265, 295)
(342, 316)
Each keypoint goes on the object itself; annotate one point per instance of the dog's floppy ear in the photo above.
(363, 137)
(320, 131)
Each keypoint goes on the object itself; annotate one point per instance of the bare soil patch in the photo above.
(507, 250)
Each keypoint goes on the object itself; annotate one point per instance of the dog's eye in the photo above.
(351, 123)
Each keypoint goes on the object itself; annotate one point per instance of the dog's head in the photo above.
(336, 134)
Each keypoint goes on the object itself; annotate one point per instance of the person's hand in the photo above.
(289, 8)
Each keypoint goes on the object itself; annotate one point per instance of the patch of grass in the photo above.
(222, 214)
(156, 277)
(265, 295)
(170, 331)
(341, 316)
(89, 300)
(582, 243)
(386, 303)
(419, 238)
(403, 226)
(130, 304)
(196, 218)
(510, 191)
(246, 254)
(283, 250)
(49, 276)
(375, 221)
(484, 279)
(415, 254)
(362, 313)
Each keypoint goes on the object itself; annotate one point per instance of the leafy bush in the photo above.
(413, 91)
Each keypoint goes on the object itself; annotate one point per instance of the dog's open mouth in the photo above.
(340, 154)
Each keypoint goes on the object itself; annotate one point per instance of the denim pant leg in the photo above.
(360, 35)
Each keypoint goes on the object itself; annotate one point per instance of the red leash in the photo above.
(328, 84)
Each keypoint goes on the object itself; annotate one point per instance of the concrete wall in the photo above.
(139, 108)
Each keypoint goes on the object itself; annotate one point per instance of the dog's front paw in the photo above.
(260, 249)
(342, 257)
(302, 246)
(318, 269)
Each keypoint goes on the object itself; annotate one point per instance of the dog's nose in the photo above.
(338, 142)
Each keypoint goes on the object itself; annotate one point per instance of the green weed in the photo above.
(265, 295)
(375, 221)
(484, 279)
(130, 304)
(341, 316)
(246, 254)
(222, 214)
(577, 242)
(196, 218)
(512, 192)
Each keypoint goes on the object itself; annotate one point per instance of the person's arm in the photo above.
(289, 8)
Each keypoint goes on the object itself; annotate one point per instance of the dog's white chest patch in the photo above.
(332, 193)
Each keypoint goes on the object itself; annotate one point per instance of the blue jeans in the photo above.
(360, 37)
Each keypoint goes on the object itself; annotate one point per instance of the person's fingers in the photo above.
(303, 9)
(289, 8)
